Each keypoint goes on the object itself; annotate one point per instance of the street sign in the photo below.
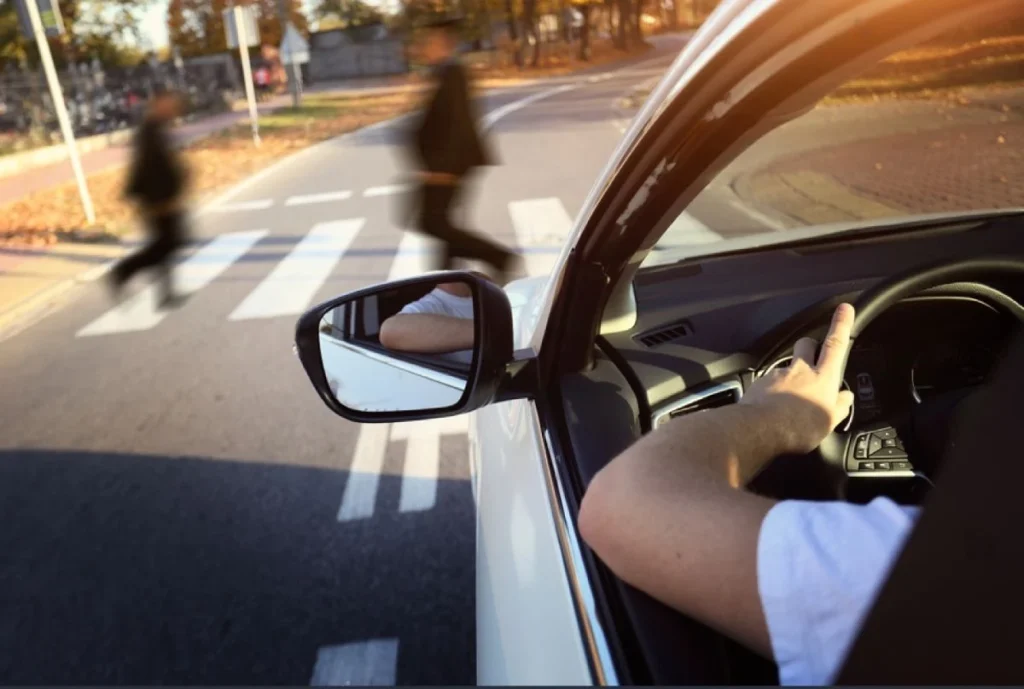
(49, 14)
(294, 48)
(251, 28)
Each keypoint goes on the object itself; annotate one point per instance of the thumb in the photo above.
(844, 402)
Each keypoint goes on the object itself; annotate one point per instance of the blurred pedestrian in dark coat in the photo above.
(446, 145)
(156, 183)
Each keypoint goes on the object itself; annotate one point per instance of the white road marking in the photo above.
(305, 199)
(492, 117)
(256, 205)
(357, 502)
(386, 190)
(371, 663)
(540, 224)
(293, 283)
(419, 477)
(758, 216)
(414, 256)
(423, 458)
(200, 269)
(687, 230)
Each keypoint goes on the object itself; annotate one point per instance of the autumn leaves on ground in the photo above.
(51, 215)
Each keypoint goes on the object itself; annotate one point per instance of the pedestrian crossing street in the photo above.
(541, 228)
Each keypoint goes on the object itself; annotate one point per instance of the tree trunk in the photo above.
(623, 29)
(585, 33)
(530, 29)
(638, 30)
(513, 32)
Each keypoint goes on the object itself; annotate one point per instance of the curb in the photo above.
(31, 309)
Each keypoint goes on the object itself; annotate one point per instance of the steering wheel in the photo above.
(877, 450)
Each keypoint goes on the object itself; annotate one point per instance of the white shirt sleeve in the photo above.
(819, 568)
(442, 303)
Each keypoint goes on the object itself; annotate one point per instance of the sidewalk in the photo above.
(962, 158)
(35, 279)
(47, 176)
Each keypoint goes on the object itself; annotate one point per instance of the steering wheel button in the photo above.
(901, 466)
(886, 433)
(883, 466)
(889, 453)
(867, 466)
(874, 445)
(860, 453)
(889, 442)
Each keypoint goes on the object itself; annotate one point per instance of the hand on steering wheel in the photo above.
(805, 397)
(876, 450)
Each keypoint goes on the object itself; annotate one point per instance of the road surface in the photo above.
(181, 508)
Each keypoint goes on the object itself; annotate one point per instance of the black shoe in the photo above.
(511, 269)
(115, 286)
(172, 301)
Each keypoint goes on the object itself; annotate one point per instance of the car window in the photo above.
(933, 129)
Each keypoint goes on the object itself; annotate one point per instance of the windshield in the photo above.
(934, 129)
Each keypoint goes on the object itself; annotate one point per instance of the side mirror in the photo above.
(430, 346)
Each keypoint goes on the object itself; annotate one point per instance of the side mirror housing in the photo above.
(430, 346)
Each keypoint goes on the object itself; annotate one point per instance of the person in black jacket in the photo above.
(446, 146)
(156, 183)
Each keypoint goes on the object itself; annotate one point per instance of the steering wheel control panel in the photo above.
(878, 452)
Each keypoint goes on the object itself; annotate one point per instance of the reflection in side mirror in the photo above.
(410, 347)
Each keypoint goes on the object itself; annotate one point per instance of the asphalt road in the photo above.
(179, 506)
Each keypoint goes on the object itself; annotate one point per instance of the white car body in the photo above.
(527, 627)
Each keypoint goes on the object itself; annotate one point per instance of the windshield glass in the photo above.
(937, 128)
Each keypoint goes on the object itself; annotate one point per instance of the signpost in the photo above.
(243, 31)
(49, 15)
(294, 52)
(44, 20)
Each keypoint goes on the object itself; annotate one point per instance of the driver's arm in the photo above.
(670, 514)
(427, 333)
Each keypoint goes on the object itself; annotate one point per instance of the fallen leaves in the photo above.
(53, 215)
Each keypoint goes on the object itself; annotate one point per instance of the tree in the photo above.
(107, 31)
(271, 31)
(347, 13)
(196, 27)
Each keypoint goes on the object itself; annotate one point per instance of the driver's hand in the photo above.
(803, 402)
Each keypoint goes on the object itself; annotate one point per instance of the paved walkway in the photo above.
(46, 176)
(970, 158)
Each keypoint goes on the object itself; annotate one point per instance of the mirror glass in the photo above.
(402, 348)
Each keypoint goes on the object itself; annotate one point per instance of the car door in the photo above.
(546, 610)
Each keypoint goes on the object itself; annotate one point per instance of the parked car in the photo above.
(570, 369)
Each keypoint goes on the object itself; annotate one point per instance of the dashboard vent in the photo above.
(722, 396)
(666, 334)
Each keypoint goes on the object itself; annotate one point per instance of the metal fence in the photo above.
(101, 100)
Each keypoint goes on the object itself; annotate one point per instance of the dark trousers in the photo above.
(435, 209)
(165, 238)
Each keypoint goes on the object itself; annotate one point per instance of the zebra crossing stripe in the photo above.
(540, 224)
(293, 283)
(386, 190)
(371, 663)
(360, 496)
(414, 255)
(200, 269)
(306, 199)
